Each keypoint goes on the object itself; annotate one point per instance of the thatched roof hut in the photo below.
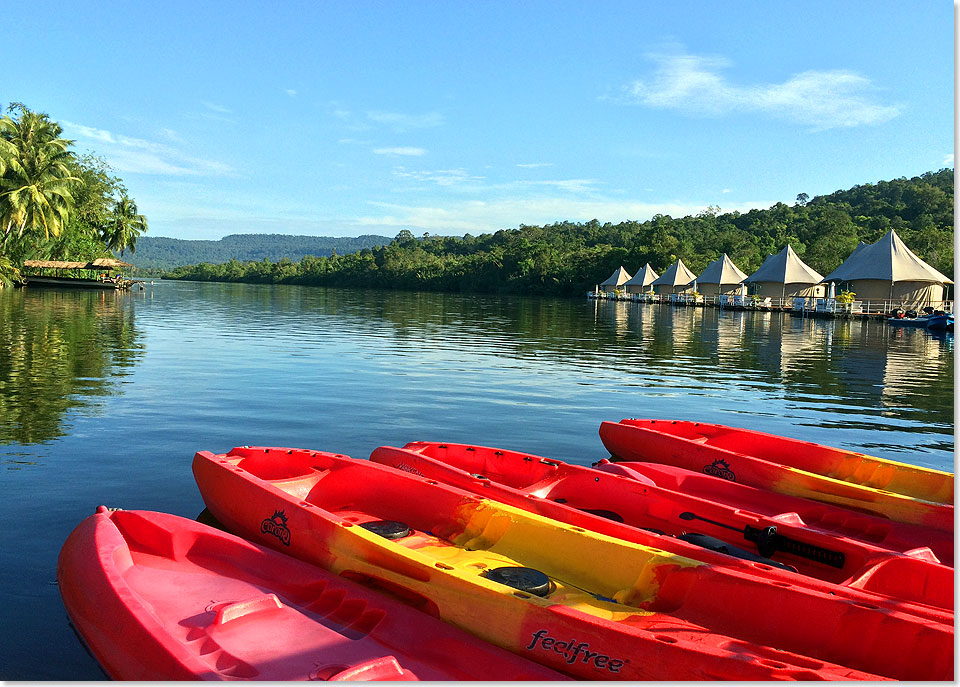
(110, 263)
(98, 264)
(55, 264)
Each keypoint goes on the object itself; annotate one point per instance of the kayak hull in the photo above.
(634, 612)
(159, 597)
(761, 460)
(629, 508)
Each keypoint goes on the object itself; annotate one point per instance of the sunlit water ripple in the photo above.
(104, 397)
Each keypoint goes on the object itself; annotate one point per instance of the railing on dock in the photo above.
(813, 306)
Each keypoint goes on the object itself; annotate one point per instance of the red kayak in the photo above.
(746, 529)
(159, 597)
(589, 605)
(869, 532)
(901, 492)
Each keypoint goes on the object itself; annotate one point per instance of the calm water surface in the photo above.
(105, 397)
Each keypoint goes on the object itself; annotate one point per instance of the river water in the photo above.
(105, 397)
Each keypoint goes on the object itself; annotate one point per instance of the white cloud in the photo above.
(171, 135)
(401, 150)
(948, 160)
(291, 92)
(220, 109)
(139, 156)
(534, 165)
(819, 99)
(401, 122)
(462, 179)
(566, 185)
(441, 177)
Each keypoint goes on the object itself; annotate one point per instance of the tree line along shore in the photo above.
(569, 258)
(56, 204)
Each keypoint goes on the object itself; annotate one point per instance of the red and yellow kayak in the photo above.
(789, 466)
(159, 597)
(584, 603)
(859, 557)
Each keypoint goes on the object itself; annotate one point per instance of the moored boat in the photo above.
(159, 597)
(942, 322)
(899, 491)
(587, 604)
(921, 321)
(854, 556)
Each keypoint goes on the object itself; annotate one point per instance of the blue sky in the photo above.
(347, 118)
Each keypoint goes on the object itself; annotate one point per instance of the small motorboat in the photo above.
(920, 322)
(941, 323)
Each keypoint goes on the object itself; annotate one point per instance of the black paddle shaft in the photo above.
(769, 542)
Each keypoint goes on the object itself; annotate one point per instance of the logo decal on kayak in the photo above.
(407, 468)
(571, 650)
(720, 468)
(276, 525)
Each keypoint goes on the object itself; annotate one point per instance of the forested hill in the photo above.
(568, 258)
(156, 252)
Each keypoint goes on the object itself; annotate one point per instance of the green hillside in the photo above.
(160, 253)
(568, 258)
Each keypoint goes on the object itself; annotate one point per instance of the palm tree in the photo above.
(125, 226)
(35, 176)
(9, 274)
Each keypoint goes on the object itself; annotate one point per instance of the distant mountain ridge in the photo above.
(158, 252)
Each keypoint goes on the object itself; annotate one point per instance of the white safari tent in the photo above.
(720, 277)
(889, 272)
(785, 275)
(642, 281)
(619, 277)
(676, 279)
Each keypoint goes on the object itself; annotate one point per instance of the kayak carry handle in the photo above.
(239, 609)
(380, 668)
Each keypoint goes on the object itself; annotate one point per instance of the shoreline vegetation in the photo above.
(56, 204)
(568, 259)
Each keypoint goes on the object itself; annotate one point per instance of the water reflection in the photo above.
(837, 366)
(59, 350)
